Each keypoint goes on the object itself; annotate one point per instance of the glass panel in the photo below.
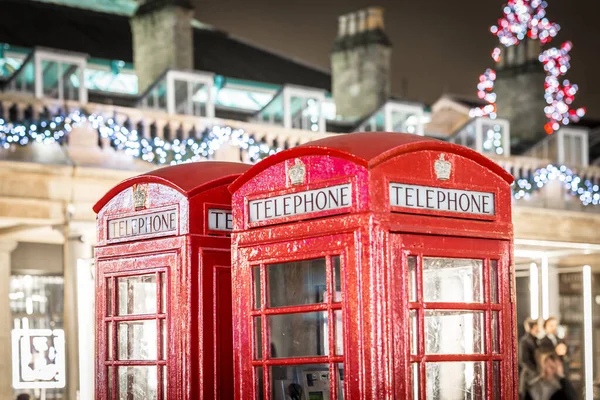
(454, 332)
(109, 293)
(339, 333)
(182, 100)
(496, 381)
(138, 383)
(200, 98)
(452, 280)
(340, 381)
(337, 279)
(298, 335)
(298, 282)
(163, 333)
(455, 380)
(109, 342)
(414, 332)
(256, 274)
(259, 393)
(307, 381)
(137, 340)
(137, 295)
(494, 281)
(577, 152)
(70, 81)
(495, 332)
(415, 380)
(50, 73)
(165, 385)
(163, 292)
(412, 278)
(257, 338)
(568, 143)
(109, 376)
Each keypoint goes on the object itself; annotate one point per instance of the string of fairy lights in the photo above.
(527, 19)
(156, 150)
(56, 129)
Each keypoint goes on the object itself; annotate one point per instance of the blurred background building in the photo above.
(111, 89)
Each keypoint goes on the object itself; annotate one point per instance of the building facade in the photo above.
(112, 89)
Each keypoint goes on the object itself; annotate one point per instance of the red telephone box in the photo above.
(163, 285)
(373, 266)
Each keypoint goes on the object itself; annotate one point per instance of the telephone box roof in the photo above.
(370, 149)
(188, 178)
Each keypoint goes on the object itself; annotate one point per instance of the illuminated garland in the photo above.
(155, 150)
(177, 151)
(51, 130)
(527, 18)
(160, 151)
(585, 190)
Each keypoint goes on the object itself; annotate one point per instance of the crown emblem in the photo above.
(442, 168)
(297, 173)
(140, 194)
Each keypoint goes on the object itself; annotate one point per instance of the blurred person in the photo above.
(551, 383)
(550, 343)
(528, 345)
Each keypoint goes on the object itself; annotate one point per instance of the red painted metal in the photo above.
(374, 241)
(191, 357)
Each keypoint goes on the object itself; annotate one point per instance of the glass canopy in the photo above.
(396, 116)
(295, 107)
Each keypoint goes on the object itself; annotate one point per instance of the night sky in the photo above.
(438, 45)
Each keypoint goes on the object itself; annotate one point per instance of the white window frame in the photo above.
(78, 59)
(561, 148)
(298, 91)
(391, 107)
(190, 77)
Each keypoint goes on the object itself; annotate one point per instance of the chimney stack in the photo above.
(162, 39)
(360, 63)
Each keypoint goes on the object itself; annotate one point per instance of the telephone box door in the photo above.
(134, 326)
(455, 293)
(296, 316)
(216, 279)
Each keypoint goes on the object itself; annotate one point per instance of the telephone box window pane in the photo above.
(452, 280)
(165, 386)
(337, 279)
(259, 379)
(163, 334)
(109, 293)
(298, 335)
(454, 332)
(339, 333)
(495, 332)
(109, 375)
(296, 283)
(138, 383)
(415, 380)
(496, 381)
(455, 380)
(137, 340)
(163, 292)
(412, 278)
(305, 381)
(109, 342)
(414, 332)
(340, 381)
(494, 281)
(258, 338)
(137, 295)
(256, 281)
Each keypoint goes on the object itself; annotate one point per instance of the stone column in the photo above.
(6, 247)
(75, 248)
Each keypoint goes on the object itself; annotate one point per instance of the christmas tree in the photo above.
(527, 19)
